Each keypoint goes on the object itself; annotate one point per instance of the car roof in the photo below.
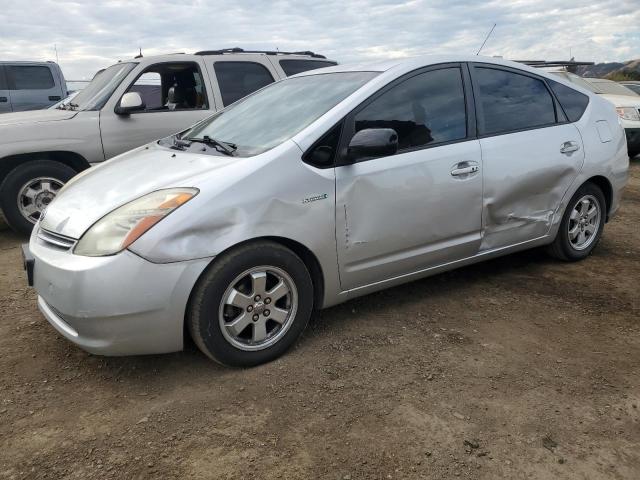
(410, 63)
(27, 62)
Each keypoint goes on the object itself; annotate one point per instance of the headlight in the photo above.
(117, 230)
(628, 113)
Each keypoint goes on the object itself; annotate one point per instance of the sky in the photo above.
(94, 34)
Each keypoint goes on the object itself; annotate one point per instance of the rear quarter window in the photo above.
(573, 102)
(292, 67)
(31, 77)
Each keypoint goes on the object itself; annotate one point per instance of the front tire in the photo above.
(28, 189)
(581, 226)
(251, 304)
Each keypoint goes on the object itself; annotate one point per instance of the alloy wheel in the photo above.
(258, 308)
(36, 195)
(584, 222)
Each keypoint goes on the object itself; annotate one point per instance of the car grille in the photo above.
(55, 240)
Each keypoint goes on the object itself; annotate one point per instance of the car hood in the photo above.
(99, 190)
(36, 116)
(622, 100)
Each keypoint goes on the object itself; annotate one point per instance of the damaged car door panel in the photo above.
(320, 188)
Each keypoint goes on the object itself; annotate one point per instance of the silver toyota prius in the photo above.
(319, 188)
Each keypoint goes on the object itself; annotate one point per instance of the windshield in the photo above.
(611, 88)
(96, 94)
(279, 111)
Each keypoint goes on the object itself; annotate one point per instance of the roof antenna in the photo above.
(140, 54)
(485, 40)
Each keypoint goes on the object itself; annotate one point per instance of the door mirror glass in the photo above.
(373, 142)
(130, 102)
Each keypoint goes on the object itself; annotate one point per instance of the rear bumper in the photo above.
(117, 305)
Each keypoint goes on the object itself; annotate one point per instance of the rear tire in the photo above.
(581, 226)
(28, 189)
(251, 304)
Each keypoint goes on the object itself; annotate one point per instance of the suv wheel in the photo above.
(251, 305)
(28, 189)
(581, 226)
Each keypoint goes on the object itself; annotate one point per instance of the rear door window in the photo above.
(238, 79)
(509, 101)
(31, 77)
(292, 67)
(573, 102)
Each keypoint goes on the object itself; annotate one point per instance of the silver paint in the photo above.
(384, 221)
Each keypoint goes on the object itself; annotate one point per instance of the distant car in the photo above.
(124, 106)
(30, 86)
(631, 85)
(319, 188)
(626, 102)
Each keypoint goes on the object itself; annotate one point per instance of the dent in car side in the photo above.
(257, 198)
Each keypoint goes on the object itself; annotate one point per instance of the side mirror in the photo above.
(130, 102)
(372, 143)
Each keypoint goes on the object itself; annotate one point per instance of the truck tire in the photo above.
(28, 189)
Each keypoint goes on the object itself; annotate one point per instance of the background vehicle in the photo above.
(125, 105)
(326, 186)
(633, 85)
(627, 104)
(30, 85)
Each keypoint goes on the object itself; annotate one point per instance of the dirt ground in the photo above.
(519, 368)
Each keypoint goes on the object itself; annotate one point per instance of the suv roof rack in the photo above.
(266, 52)
(554, 63)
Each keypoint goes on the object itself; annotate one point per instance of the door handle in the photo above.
(456, 172)
(3, 99)
(569, 147)
(54, 97)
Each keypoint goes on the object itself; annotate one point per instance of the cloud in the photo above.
(92, 35)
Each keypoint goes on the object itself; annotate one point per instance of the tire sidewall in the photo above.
(17, 178)
(213, 286)
(567, 248)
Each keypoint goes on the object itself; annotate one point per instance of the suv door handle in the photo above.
(3, 99)
(54, 97)
(461, 169)
(569, 147)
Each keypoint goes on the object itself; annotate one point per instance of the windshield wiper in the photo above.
(223, 147)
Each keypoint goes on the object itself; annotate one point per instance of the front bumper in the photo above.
(116, 305)
(633, 140)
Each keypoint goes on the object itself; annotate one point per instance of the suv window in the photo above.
(425, 109)
(171, 86)
(573, 102)
(31, 77)
(291, 67)
(238, 79)
(509, 101)
(3, 81)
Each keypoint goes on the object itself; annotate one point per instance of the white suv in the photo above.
(125, 105)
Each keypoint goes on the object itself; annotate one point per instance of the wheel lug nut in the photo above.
(256, 317)
(267, 313)
(249, 308)
(267, 300)
(257, 298)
